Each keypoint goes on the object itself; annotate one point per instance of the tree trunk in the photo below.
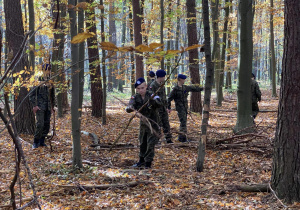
(103, 67)
(208, 86)
(24, 116)
(32, 36)
(81, 56)
(132, 78)
(75, 114)
(139, 71)
(94, 65)
(162, 22)
(196, 104)
(112, 64)
(272, 48)
(286, 168)
(244, 105)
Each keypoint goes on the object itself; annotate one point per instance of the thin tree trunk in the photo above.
(196, 104)
(139, 71)
(32, 36)
(273, 58)
(81, 56)
(244, 105)
(103, 67)
(208, 87)
(94, 65)
(162, 22)
(132, 78)
(75, 114)
(286, 168)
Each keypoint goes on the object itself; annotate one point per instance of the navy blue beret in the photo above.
(253, 75)
(46, 67)
(181, 76)
(151, 74)
(160, 73)
(139, 81)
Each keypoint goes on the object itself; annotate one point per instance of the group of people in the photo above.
(152, 102)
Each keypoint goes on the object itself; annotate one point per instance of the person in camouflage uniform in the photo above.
(152, 78)
(180, 95)
(163, 112)
(146, 137)
(256, 96)
(42, 99)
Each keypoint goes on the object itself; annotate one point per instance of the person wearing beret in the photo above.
(146, 137)
(152, 78)
(256, 96)
(180, 95)
(163, 112)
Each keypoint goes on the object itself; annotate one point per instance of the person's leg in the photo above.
(143, 147)
(149, 155)
(165, 124)
(38, 128)
(47, 117)
(182, 115)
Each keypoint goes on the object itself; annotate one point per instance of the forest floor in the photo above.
(107, 180)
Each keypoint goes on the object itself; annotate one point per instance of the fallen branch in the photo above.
(107, 186)
(239, 136)
(232, 110)
(250, 188)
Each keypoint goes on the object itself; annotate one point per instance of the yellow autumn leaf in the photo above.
(83, 5)
(81, 37)
(155, 45)
(108, 46)
(193, 47)
(126, 49)
(173, 51)
(143, 48)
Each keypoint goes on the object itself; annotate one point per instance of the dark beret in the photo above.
(253, 75)
(160, 73)
(151, 74)
(181, 76)
(139, 81)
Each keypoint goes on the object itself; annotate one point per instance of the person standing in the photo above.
(163, 113)
(146, 137)
(256, 96)
(152, 78)
(180, 95)
(42, 99)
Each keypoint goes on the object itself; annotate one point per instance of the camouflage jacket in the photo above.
(43, 97)
(149, 83)
(161, 93)
(150, 110)
(255, 91)
(180, 95)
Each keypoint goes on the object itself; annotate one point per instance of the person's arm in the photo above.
(171, 98)
(131, 105)
(194, 88)
(33, 98)
(257, 92)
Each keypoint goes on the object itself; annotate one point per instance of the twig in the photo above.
(274, 193)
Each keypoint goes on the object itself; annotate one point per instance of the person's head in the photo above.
(140, 86)
(181, 79)
(45, 73)
(151, 74)
(253, 76)
(160, 75)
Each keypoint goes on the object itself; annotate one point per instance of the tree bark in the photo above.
(162, 22)
(81, 57)
(196, 104)
(15, 34)
(94, 65)
(112, 64)
(208, 86)
(244, 105)
(139, 71)
(75, 115)
(286, 168)
(31, 35)
(272, 48)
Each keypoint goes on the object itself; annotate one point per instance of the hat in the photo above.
(160, 73)
(181, 76)
(46, 67)
(151, 74)
(139, 81)
(253, 75)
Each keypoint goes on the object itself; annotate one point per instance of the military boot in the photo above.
(36, 143)
(42, 142)
(148, 165)
(140, 163)
(182, 138)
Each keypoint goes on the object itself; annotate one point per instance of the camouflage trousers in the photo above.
(42, 123)
(255, 109)
(182, 115)
(164, 122)
(147, 144)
